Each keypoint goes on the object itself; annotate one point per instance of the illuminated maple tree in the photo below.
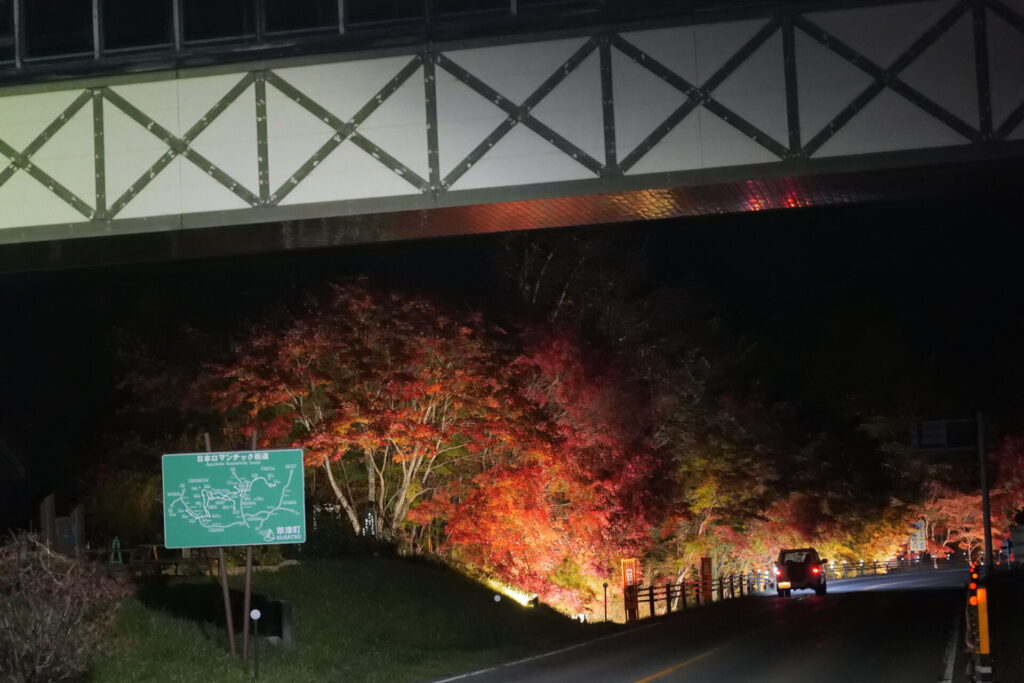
(390, 395)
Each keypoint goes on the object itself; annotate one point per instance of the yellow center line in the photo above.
(677, 667)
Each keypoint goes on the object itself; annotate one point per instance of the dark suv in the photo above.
(800, 568)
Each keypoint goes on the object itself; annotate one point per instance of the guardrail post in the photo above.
(984, 666)
(650, 598)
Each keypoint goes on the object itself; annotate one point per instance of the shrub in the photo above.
(54, 612)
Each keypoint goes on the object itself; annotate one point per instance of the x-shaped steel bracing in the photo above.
(522, 113)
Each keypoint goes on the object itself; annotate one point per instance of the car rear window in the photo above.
(795, 556)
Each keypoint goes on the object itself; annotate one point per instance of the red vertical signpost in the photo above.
(630, 571)
(706, 579)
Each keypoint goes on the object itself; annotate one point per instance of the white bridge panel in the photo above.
(681, 149)
(723, 145)
(68, 156)
(882, 33)
(941, 75)
(715, 44)
(465, 118)
(1006, 55)
(343, 87)
(887, 124)
(519, 158)
(26, 202)
(230, 139)
(643, 101)
(294, 135)
(348, 173)
(515, 71)
(399, 125)
(826, 84)
(571, 108)
(757, 90)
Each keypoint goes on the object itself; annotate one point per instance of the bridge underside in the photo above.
(784, 108)
(969, 183)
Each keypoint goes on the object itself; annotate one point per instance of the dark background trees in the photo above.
(769, 364)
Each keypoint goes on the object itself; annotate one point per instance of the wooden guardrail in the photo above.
(666, 598)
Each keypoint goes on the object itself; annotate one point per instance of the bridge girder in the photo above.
(626, 123)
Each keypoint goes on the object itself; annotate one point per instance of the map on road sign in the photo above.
(233, 498)
(918, 538)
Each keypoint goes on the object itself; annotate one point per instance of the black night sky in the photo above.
(879, 302)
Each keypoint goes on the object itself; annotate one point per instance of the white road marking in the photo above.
(547, 654)
(949, 659)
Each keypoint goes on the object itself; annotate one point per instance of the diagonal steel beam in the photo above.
(430, 100)
(1011, 123)
(882, 78)
(700, 95)
(981, 69)
(181, 146)
(1016, 21)
(792, 86)
(23, 160)
(611, 160)
(99, 153)
(345, 130)
(520, 113)
(262, 143)
(1006, 14)
(48, 132)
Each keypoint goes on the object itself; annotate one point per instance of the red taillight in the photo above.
(816, 570)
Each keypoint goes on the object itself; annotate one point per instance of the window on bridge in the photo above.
(371, 11)
(131, 24)
(218, 20)
(6, 31)
(472, 6)
(527, 4)
(58, 27)
(307, 15)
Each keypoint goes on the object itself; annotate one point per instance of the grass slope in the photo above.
(363, 619)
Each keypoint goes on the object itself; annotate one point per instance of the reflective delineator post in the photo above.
(255, 616)
(606, 601)
(984, 666)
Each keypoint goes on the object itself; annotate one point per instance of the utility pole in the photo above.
(985, 510)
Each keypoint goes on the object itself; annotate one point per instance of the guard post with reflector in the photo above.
(978, 636)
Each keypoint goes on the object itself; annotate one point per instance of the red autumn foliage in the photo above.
(555, 521)
(521, 466)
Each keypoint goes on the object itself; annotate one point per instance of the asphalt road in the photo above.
(896, 628)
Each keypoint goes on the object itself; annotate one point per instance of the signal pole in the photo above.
(985, 509)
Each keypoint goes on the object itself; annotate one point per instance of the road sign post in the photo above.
(234, 498)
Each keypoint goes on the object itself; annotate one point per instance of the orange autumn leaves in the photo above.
(503, 455)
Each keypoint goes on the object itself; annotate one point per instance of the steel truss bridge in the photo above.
(763, 108)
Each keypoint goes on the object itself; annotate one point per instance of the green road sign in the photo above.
(234, 498)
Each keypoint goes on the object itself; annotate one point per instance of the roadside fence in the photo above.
(668, 597)
(849, 570)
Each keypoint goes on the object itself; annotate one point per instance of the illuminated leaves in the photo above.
(387, 388)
